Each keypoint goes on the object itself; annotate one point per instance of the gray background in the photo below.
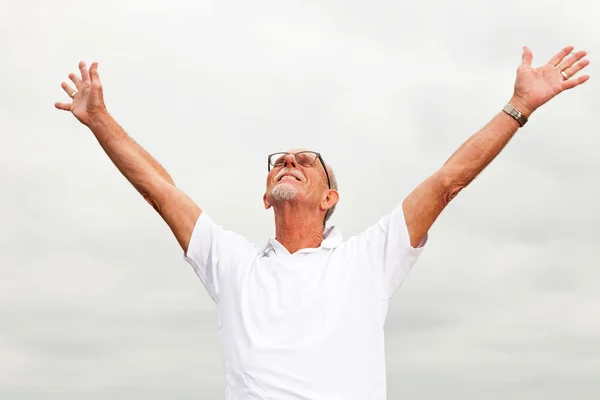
(96, 301)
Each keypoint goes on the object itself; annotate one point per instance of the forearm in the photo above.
(533, 88)
(479, 150)
(140, 169)
(423, 206)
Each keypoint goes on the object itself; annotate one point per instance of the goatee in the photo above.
(284, 192)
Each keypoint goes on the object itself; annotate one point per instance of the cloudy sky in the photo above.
(96, 301)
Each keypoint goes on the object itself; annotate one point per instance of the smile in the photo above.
(289, 177)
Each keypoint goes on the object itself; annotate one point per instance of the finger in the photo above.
(527, 57)
(577, 67)
(70, 91)
(76, 80)
(571, 83)
(85, 75)
(560, 55)
(95, 77)
(63, 106)
(567, 62)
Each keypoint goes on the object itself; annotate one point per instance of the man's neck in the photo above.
(297, 230)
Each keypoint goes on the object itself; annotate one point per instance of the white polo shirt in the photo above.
(307, 325)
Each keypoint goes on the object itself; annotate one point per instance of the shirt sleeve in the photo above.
(212, 251)
(389, 249)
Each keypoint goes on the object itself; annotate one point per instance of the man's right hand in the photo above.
(149, 178)
(88, 103)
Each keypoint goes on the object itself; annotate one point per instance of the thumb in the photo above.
(527, 57)
(95, 77)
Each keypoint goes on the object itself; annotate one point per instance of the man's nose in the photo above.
(290, 161)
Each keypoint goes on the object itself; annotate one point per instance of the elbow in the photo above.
(156, 192)
(150, 200)
(451, 193)
(452, 184)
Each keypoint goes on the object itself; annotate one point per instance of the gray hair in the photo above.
(334, 185)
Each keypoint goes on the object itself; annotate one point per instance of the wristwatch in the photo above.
(516, 114)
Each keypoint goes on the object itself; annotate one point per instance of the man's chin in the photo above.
(284, 192)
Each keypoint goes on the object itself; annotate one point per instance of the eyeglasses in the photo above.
(303, 158)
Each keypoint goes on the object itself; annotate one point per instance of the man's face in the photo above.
(292, 179)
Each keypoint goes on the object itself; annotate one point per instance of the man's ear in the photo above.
(266, 202)
(331, 199)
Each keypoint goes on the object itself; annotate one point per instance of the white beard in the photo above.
(284, 192)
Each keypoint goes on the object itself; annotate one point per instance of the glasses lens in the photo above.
(306, 158)
(276, 159)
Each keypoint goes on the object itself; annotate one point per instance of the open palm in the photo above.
(88, 99)
(536, 86)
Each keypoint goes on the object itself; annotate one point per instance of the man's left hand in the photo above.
(536, 86)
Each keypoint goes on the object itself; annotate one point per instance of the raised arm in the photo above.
(141, 170)
(533, 88)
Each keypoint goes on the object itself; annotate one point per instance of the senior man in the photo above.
(303, 316)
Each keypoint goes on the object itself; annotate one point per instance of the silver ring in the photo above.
(564, 74)
(73, 95)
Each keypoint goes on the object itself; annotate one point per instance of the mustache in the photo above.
(292, 171)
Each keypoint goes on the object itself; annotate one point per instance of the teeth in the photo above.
(289, 176)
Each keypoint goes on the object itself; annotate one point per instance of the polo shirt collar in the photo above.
(332, 237)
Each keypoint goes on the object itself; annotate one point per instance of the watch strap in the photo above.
(516, 114)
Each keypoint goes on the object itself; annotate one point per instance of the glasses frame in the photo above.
(318, 156)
